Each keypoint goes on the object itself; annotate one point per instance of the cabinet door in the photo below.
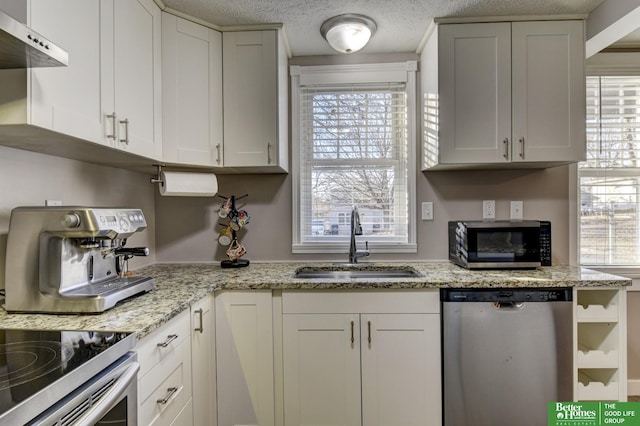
(244, 358)
(67, 99)
(135, 71)
(250, 70)
(191, 93)
(203, 362)
(548, 91)
(321, 369)
(401, 369)
(474, 75)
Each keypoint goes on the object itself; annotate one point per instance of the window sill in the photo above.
(625, 271)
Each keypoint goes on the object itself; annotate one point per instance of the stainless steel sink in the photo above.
(346, 272)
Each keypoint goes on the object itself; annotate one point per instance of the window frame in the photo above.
(401, 72)
(601, 64)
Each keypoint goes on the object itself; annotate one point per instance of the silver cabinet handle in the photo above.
(170, 338)
(126, 131)
(369, 331)
(268, 152)
(218, 150)
(353, 339)
(201, 328)
(112, 116)
(522, 148)
(506, 148)
(170, 392)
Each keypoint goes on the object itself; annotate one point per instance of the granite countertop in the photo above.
(180, 285)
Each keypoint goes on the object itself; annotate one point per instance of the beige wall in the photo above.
(28, 179)
(187, 231)
(187, 227)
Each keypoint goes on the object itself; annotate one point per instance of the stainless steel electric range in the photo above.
(67, 378)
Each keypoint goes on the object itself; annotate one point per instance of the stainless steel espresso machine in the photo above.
(71, 259)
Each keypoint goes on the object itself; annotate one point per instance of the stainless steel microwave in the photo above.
(500, 244)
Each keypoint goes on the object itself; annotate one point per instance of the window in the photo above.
(352, 139)
(609, 179)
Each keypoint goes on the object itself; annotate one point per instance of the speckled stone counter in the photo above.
(178, 286)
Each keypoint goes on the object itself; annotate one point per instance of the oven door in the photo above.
(110, 398)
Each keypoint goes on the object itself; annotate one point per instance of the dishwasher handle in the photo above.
(513, 306)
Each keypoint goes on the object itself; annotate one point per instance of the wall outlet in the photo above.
(517, 210)
(427, 210)
(488, 209)
(52, 203)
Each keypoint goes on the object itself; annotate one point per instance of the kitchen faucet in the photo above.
(356, 229)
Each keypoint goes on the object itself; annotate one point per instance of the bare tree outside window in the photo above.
(356, 156)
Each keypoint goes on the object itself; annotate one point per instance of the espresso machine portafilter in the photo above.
(71, 259)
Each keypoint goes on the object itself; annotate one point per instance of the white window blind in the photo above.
(354, 152)
(609, 179)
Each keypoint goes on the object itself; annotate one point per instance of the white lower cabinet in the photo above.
(203, 362)
(321, 369)
(361, 358)
(244, 355)
(164, 380)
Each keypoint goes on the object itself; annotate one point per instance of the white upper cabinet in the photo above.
(549, 113)
(109, 94)
(65, 100)
(191, 93)
(131, 83)
(504, 94)
(255, 100)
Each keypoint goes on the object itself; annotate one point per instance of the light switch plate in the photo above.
(52, 202)
(427, 210)
(517, 210)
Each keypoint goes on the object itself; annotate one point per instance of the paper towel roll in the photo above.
(185, 184)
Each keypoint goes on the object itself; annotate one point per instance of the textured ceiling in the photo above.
(401, 23)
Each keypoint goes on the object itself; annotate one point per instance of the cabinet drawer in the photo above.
(185, 417)
(362, 301)
(149, 353)
(172, 371)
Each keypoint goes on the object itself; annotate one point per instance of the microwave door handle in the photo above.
(110, 398)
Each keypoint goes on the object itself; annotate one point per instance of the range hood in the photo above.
(21, 47)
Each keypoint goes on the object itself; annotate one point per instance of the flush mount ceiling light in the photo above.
(348, 33)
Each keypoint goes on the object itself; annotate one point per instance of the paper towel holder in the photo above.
(158, 178)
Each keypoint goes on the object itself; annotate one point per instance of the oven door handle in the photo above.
(110, 398)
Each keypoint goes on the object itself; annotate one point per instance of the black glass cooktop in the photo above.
(39, 367)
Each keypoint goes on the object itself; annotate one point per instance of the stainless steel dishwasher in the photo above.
(507, 353)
